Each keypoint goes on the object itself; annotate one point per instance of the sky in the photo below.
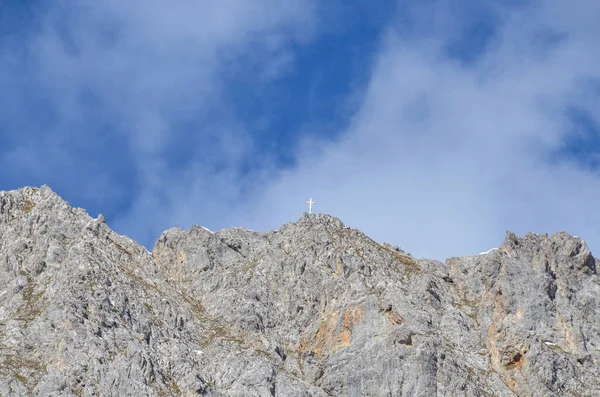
(435, 125)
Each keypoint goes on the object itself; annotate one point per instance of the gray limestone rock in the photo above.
(312, 309)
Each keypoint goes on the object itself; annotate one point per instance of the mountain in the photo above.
(312, 309)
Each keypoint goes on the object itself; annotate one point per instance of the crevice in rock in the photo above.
(516, 360)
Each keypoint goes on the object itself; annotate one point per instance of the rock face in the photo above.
(312, 309)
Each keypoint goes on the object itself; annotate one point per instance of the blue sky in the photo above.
(435, 125)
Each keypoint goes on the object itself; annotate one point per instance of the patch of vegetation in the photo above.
(65, 244)
(250, 267)
(331, 236)
(170, 383)
(404, 259)
(28, 372)
(197, 308)
(29, 206)
(473, 316)
(31, 309)
(78, 391)
(215, 330)
(470, 310)
(120, 247)
(554, 346)
(155, 319)
(93, 285)
(137, 278)
(264, 353)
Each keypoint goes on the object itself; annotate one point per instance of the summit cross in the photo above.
(310, 203)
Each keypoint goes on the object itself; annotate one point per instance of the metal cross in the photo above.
(310, 204)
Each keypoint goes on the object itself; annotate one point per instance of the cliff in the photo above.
(312, 309)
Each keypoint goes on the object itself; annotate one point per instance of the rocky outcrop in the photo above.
(312, 309)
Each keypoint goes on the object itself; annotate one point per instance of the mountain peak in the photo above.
(315, 308)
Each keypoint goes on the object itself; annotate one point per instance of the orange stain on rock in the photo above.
(325, 334)
(335, 333)
(353, 316)
(511, 384)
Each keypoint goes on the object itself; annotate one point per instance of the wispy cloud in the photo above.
(107, 100)
(471, 121)
(446, 153)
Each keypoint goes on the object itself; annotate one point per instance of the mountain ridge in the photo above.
(313, 309)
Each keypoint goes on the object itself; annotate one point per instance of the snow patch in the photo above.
(488, 251)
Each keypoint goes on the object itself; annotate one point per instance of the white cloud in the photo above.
(443, 157)
(143, 68)
(440, 158)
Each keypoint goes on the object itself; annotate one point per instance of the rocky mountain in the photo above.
(312, 309)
